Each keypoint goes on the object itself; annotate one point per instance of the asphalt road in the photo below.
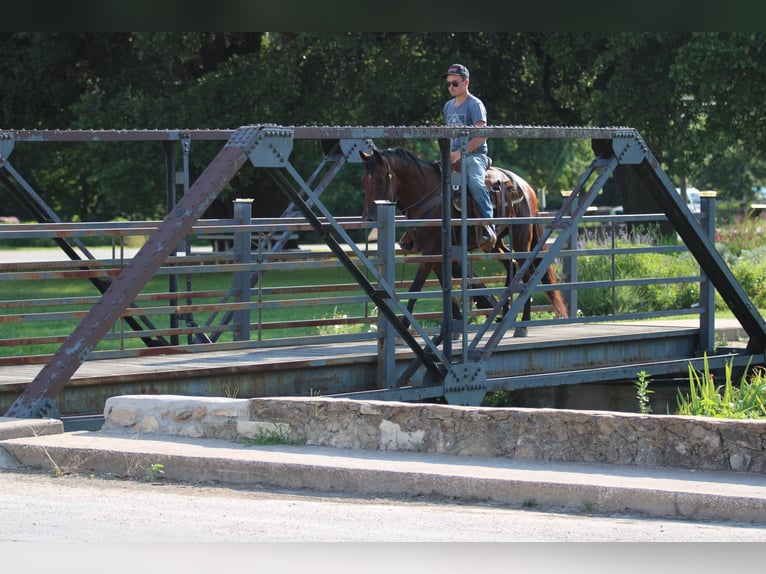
(38, 507)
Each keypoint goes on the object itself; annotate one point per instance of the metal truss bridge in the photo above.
(457, 372)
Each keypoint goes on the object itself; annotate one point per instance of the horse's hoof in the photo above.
(520, 332)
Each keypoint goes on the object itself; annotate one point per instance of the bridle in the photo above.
(390, 191)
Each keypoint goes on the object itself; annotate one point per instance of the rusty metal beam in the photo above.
(378, 295)
(37, 400)
(704, 252)
(113, 135)
(318, 132)
(336, 158)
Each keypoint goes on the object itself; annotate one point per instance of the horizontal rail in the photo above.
(329, 310)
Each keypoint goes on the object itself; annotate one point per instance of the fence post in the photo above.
(569, 264)
(170, 193)
(386, 255)
(707, 291)
(243, 210)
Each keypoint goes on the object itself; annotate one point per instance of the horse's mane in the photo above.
(408, 158)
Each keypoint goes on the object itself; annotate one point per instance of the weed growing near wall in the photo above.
(745, 400)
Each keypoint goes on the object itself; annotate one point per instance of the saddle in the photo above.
(504, 190)
(502, 187)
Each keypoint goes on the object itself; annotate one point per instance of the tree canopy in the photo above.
(696, 98)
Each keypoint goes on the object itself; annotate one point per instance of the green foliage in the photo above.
(750, 271)
(741, 234)
(744, 400)
(634, 298)
(154, 472)
(278, 433)
(740, 243)
(497, 399)
(177, 80)
(643, 391)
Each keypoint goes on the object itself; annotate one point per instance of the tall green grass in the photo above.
(743, 400)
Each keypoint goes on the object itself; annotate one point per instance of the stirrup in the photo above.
(489, 243)
(407, 243)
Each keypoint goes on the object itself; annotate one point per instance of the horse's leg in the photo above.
(509, 264)
(456, 314)
(481, 301)
(526, 315)
(522, 242)
(417, 285)
(554, 297)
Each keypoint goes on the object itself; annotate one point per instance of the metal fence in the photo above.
(250, 295)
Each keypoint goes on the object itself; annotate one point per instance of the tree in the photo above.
(694, 97)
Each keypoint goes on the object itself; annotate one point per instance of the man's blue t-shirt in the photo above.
(470, 112)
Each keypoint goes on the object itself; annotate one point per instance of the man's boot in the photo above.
(487, 238)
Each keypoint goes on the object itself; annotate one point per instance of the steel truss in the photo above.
(462, 378)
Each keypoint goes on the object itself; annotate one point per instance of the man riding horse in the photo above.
(465, 109)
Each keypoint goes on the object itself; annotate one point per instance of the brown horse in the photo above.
(398, 176)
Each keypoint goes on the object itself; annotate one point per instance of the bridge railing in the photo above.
(201, 300)
(44, 298)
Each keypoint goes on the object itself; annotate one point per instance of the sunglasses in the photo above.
(453, 83)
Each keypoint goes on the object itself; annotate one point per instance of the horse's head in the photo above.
(378, 181)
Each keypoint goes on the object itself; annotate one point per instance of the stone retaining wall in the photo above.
(538, 434)
(197, 417)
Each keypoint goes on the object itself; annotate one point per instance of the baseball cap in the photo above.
(458, 70)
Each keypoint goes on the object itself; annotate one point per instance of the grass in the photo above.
(38, 321)
(275, 434)
(745, 399)
(287, 319)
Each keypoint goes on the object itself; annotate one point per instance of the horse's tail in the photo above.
(555, 298)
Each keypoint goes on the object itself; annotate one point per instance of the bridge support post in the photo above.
(570, 264)
(386, 255)
(170, 198)
(707, 291)
(243, 213)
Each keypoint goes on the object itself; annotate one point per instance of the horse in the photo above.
(414, 185)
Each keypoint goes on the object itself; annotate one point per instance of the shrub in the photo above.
(742, 234)
(747, 400)
(635, 298)
(750, 271)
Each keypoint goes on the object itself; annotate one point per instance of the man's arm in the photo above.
(472, 145)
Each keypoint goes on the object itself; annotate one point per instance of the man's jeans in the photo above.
(476, 165)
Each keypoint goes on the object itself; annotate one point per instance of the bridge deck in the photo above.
(349, 367)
